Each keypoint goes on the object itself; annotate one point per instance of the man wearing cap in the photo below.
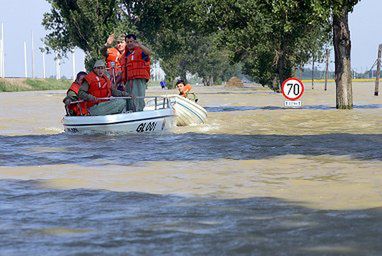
(137, 71)
(96, 85)
(114, 56)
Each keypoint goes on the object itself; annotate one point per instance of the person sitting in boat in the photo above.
(115, 60)
(95, 88)
(185, 90)
(72, 96)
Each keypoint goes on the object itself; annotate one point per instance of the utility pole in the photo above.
(58, 71)
(313, 73)
(1, 51)
(378, 70)
(327, 69)
(2, 54)
(32, 56)
(43, 65)
(25, 60)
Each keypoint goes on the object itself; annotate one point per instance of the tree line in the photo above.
(265, 39)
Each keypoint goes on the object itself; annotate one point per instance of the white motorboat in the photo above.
(187, 111)
(159, 119)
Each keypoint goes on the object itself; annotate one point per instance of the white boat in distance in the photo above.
(187, 111)
(159, 119)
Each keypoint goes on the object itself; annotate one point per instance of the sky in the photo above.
(22, 17)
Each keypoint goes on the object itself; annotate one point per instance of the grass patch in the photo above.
(3, 87)
(22, 84)
(48, 84)
(13, 85)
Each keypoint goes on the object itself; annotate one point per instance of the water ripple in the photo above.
(95, 222)
(126, 150)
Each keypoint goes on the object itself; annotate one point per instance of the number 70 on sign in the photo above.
(292, 89)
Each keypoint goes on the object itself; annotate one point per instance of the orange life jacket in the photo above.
(186, 89)
(113, 55)
(136, 66)
(99, 87)
(80, 108)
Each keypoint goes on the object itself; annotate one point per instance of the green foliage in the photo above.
(326, 8)
(162, 24)
(81, 24)
(265, 39)
(179, 40)
(5, 87)
(269, 37)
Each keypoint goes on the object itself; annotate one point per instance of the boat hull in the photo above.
(187, 112)
(150, 121)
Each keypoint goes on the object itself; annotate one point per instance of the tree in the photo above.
(338, 11)
(342, 49)
(269, 37)
(177, 40)
(81, 24)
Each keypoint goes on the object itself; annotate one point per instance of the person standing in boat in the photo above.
(137, 72)
(115, 59)
(185, 90)
(163, 84)
(97, 85)
(72, 96)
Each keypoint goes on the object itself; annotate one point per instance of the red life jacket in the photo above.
(99, 87)
(80, 108)
(74, 87)
(136, 66)
(113, 55)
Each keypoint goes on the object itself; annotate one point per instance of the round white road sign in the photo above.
(292, 88)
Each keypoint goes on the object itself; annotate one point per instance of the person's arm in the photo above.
(187, 88)
(144, 48)
(107, 45)
(192, 96)
(83, 92)
(70, 97)
(117, 93)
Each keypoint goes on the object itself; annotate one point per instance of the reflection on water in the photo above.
(238, 108)
(370, 106)
(256, 179)
(305, 107)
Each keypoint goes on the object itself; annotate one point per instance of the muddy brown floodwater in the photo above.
(256, 179)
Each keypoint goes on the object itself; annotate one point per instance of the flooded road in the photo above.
(256, 179)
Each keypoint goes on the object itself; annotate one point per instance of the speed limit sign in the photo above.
(292, 89)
